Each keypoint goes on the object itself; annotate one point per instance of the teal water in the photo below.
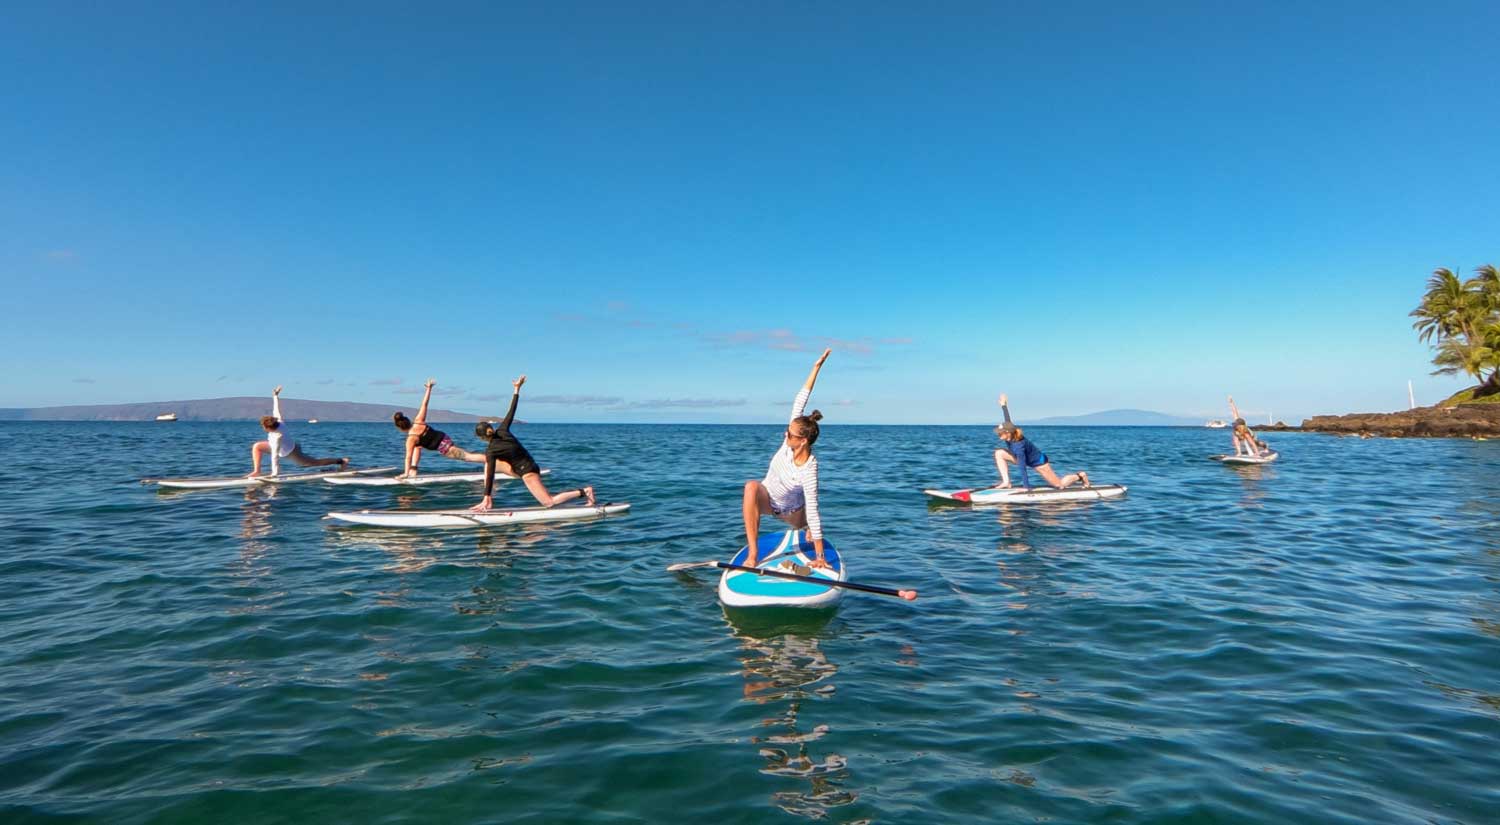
(1316, 640)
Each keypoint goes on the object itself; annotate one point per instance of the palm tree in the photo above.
(1448, 309)
(1462, 321)
(1486, 282)
(1455, 355)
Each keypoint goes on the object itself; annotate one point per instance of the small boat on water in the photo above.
(312, 420)
(167, 416)
(1216, 424)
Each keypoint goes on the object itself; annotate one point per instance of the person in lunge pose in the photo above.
(790, 489)
(1018, 450)
(281, 445)
(420, 436)
(506, 454)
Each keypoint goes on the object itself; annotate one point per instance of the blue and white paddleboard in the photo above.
(782, 551)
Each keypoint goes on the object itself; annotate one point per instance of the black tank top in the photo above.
(430, 439)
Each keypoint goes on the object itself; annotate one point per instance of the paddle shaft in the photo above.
(868, 588)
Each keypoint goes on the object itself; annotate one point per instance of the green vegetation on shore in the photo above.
(1468, 397)
(1462, 321)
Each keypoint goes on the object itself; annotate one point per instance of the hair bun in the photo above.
(815, 415)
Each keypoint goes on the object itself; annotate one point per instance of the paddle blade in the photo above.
(689, 565)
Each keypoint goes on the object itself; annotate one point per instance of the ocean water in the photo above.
(1316, 640)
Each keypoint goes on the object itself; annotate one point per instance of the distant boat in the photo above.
(312, 420)
(167, 417)
(1216, 424)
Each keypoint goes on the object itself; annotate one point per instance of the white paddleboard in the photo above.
(1247, 459)
(781, 551)
(294, 478)
(242, 481)
(419, 481)
(465, 518)
(1035, 495)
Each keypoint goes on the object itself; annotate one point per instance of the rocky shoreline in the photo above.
(1460, 421)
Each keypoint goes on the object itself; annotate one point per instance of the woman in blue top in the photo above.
(1019, 450)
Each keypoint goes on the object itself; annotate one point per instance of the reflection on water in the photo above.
(788, 672)
(255, 529)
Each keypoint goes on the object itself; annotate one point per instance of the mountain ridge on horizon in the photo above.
(1118, 418)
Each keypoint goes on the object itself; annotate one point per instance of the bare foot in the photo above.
(481, 507)
(252, 474)
(588, 492)
(1084, 477)
(820, 563)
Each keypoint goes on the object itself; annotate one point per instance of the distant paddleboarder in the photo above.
(506, 453)
(281, 445)
(1245, 442)
(790, 489)
(420, 436)
(1019, 450)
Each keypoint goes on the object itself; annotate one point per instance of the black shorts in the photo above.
(516, 456)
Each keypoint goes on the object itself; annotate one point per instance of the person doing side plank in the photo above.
(506, 453)
(281, 445)
(790, 489)
(420, 436)
(1244, 440)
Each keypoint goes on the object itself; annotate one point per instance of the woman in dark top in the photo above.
(506, 453)
(420, 436)
(1019, 450)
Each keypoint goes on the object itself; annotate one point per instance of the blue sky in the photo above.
(663, 211)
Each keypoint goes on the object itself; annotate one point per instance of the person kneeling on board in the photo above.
(506, 453)
(790, 489)
(420, 436)
(281, 445)
(1019, 450)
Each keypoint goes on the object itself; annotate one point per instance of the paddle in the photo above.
(909, 595)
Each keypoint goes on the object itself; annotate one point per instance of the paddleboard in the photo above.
(465, 518)
(419, 481)
(1247, 459)
(1035, 495)
(782, 550)
(295, 478)
(242, 481)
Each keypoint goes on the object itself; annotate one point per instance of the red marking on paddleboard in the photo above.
(962, 495)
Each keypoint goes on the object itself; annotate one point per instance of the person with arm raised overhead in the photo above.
(506, 454)
(422, 436)
(279, 444)
(790, 489)
(1017, 449)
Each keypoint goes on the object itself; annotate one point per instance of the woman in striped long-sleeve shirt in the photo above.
(790, 489)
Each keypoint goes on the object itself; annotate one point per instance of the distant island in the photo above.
(239, 408)
(1118, 418)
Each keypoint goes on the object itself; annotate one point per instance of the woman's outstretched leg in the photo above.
(539, 491)
(308, 461)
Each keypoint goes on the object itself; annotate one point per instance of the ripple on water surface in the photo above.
(1314, 640)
